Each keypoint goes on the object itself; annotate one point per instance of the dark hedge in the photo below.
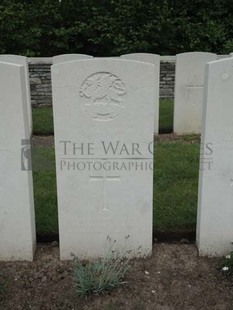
(114, 27)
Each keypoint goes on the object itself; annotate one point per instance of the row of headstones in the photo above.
(189, 79)
(150, 58)
(103, 119)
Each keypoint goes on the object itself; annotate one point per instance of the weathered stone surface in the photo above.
(40, 76)
(104, 194)
(189, 81)
(69, 57)
(155, 60)
(215, 198)
(17, 220)
(21, 60)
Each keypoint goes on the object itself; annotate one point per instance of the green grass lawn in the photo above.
(166, 115)
(45, 192)
(175, 187)
(42, 121)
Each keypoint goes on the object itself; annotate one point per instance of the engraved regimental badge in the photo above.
(102, 96)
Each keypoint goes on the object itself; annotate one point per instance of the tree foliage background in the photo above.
(114, 27)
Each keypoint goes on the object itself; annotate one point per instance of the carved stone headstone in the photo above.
(17, 220)
(103, 114)
(215, 198)
(189, 81)
(155, 60)
(69, 57)
(21, 60)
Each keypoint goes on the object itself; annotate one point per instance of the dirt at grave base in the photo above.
(174, 277)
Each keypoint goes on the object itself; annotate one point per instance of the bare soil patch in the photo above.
(174, 277)
(44, 141)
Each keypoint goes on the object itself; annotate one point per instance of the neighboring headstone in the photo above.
(231, 54)
(215, 201)
(21, 60)
(69, 57)
(17, 220)
(103, 118)
(155, 60)
(189, 79)
(222, 57)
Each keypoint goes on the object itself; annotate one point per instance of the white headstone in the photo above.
(189, 79)
(69, 57)
(21, 60)
(17, 220)
(231, 54)
(155, 60)
(222, 57)
(215, 201)
(104, 194)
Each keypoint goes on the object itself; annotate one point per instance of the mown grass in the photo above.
(42, 121)
(175, 187)
(166, 115)
(45, 192)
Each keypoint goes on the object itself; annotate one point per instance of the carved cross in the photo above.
(104, 180)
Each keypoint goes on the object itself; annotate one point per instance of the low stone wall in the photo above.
(167, 76)
(40, 81)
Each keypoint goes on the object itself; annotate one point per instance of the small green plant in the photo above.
(227, 265)
(100, 276)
